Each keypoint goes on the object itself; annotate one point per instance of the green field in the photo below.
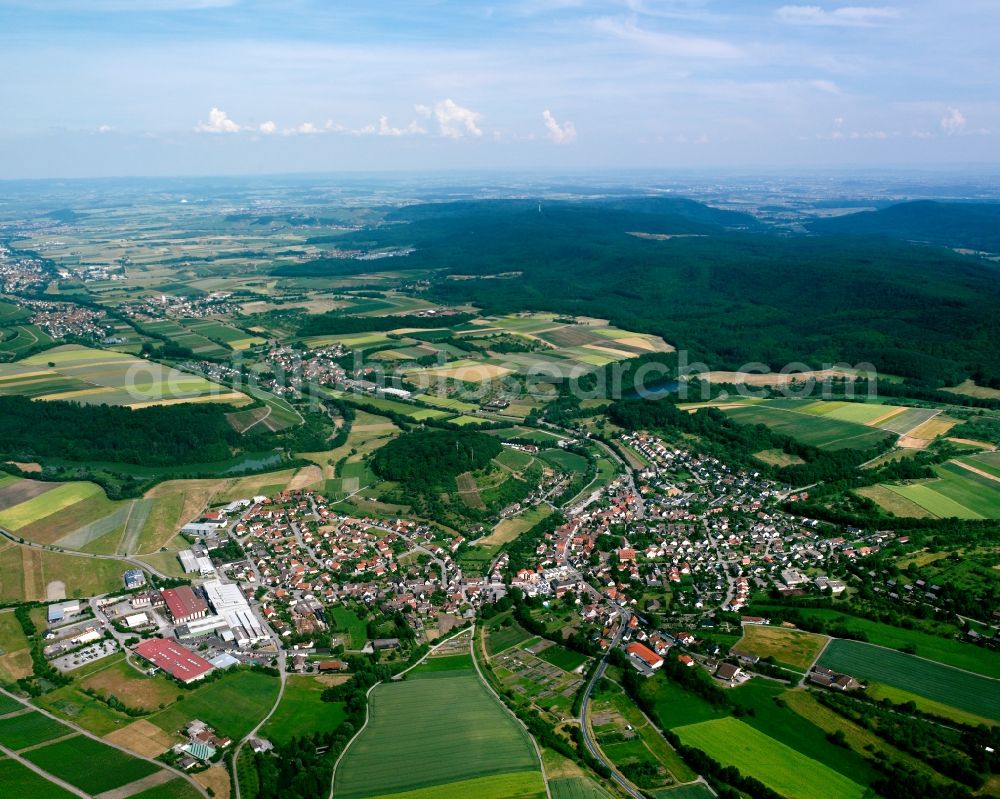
(20, 781)
(88, 375)
(302, 712)
(437, 733)
(949, 651)
(969, 692)
(778, 766)
(565, 659)
(60, 497)
(176, 788)
(500, 638)
(29, 729)
(346, 620)
(577, 788)
(233, 704)
(91, 766)
(819, 431)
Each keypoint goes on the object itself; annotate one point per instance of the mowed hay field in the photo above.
(757, 755)
(972, 693)
(26, 573)
(510, 528)
(87, 375)
(445, 737)
(789, 647)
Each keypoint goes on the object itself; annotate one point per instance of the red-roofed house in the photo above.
(184, 604)
(645, 654)
(178, 661)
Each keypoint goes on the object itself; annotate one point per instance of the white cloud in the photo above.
(668, 43)
(268, 127)
(953, 122)
(560, 134)
(385, 129)
(104, 128)
(307, 128)
(218, 122)
(453, 120)
(846, 16)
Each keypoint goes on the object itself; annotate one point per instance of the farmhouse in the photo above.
(184, 604)
(179, 662)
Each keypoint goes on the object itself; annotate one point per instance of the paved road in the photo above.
(588, 738)
(283, 676)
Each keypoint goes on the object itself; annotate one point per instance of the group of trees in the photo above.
(154, 436)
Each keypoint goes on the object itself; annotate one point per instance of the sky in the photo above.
(205, 87)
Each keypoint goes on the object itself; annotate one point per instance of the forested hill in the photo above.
(713, 282)
(974, 226)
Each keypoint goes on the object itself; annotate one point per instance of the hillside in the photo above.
(973, 226)
(728, 296)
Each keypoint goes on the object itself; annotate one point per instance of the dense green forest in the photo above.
(155, 436)
(430, 459)
(335, 323)
(724, 290)
(974, 226)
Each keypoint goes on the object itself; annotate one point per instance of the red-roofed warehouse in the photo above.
(184, 604)
(645, 654)
(178, 661)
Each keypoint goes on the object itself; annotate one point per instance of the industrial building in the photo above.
(229, 602)
(184, 604)
(178, 661)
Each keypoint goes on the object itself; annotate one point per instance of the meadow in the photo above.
(972, 693)
(232, 704)
(439, 734)
(792, 648)
(26, 572)
(302, 712)
(30, 729)
(754, 754)
(345, 620)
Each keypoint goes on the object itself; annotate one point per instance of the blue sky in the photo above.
(145, 87)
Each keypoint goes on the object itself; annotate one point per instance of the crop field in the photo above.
(233, 704)
(91, 766)
(302, 712)
(216, 331)
(578, 788)
(933, 647)
(86, 375)
(176, 788)
(57, 498)
(969, 692)
(908, 420)
(789, 647)
(29, 729)
(957, 491)
(818, 431)
(439, 734)
(20, 781)
(778, 766)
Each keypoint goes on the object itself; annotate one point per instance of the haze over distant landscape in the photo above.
(139, 87)
(536, 399)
